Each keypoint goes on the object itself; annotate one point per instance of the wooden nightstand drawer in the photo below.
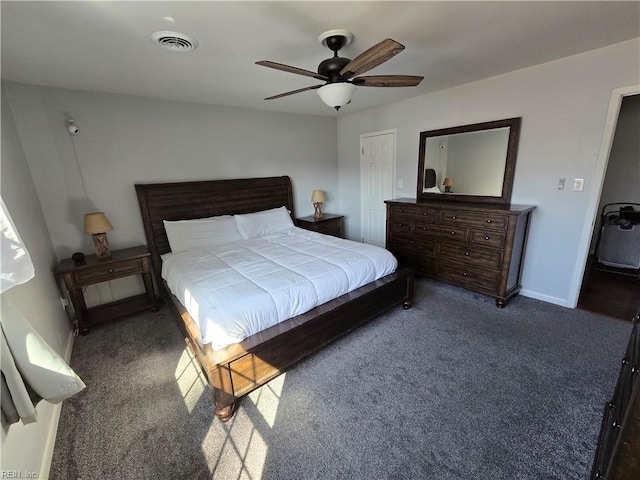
(332, 227)
(108, 272)
(328, 225)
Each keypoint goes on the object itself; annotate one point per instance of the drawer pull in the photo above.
(425, 213)
(486, 237)
(453, 233)
(111, 270)
(466, 254)
(464, 274)
(489, 221)
(453, 217)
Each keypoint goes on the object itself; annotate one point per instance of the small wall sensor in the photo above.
(73, 129)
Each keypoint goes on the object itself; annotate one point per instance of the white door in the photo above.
(377, 164)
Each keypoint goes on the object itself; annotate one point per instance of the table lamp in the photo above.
(448, 183)
(317, 198)
(97, 224)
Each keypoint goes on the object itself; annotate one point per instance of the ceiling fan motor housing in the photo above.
(331, 67)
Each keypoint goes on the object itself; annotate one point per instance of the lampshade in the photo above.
(448, 182)
(337, 95)
(317, 196)
(96, 222)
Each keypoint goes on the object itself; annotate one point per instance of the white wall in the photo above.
(125, 140)
(563, 105)
(28, 448)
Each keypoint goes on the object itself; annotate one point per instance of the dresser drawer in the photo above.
(415, 212)
(469, 276)
(461, 217)
(423, 229)
(401, 225)
(476, 256)
(412, 242)
(488, 238)
(108, 272)
(454, 233)
(421, 262)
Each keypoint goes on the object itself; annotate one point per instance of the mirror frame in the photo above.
(509, 169)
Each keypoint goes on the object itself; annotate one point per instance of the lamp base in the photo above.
(101, 243)
(318, 213)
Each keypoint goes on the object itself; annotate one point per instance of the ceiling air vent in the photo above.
(174, 41)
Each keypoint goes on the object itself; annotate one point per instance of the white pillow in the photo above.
(432, 190)
(253, 225)
(201, 233)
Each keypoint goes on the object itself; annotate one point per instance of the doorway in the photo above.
(610, 289)
(377, 167)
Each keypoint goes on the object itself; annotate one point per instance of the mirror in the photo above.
(470, 163)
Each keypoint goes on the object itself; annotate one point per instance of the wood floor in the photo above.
(610, 293)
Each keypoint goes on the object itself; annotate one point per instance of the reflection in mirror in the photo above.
(471, 163)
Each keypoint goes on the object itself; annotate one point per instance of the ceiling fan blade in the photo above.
(312, 87)
(379, 53)
(290, 69)
(387, 81)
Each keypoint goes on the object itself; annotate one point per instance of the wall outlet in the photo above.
(578, 184)
(64, 302)
(400, 183)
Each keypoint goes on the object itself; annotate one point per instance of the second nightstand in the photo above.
(329, 224)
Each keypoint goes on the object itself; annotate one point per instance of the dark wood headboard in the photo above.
(188, 200)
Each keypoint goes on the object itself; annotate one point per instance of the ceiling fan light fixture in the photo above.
(337, 95)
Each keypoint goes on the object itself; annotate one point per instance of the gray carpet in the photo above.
(454, 388)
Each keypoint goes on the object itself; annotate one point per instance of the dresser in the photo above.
(480, 247)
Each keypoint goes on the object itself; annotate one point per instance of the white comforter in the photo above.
(235, 290)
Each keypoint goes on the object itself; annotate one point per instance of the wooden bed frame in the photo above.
(240, 368)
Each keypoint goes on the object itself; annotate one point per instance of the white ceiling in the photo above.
(106, 46)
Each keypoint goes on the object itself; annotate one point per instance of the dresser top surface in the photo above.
(513, 208)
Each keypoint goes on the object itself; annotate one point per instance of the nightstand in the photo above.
(122, 263)
(329, 224)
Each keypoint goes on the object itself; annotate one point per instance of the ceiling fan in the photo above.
(339, 73)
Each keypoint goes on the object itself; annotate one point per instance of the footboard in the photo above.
(243, 367)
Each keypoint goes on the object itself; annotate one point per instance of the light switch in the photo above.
(561, 184)
(400, 183)
(578, 184)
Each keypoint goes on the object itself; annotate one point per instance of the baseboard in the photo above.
(545, 298)
(45, 466)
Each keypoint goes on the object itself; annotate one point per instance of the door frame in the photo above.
(611, 122)
(393, 131)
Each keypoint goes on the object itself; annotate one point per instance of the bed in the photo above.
(236, 369)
